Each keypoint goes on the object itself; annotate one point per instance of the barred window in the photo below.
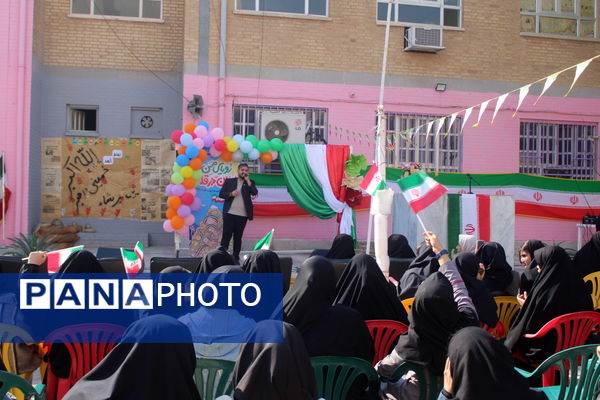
(575, 18)
(422, 12)
(558, 150)
(441, 153)
(247, 121)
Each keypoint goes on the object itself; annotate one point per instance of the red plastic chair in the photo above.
(384, 333)
(571, 330)
(498, 332)
(87, 345)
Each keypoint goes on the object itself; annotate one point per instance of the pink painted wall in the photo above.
(16, 30)
(486, 149)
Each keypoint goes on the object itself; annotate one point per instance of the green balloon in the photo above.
(252, 139)
(176, 167)
(176, 178)
(198, 174)
(263, 146)
(276, 144)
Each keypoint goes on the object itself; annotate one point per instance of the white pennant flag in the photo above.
(549, 81)
(522, 93)
(482, 108)
(578, 71)
(468, 112)
(429, 125)
(440, 125)
(498, 105)
(452, 119)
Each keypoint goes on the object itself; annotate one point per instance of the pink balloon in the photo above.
(274, 154)
(220, 145)
(217, 133)
(196, 204)
(214, 152)
(167, 226)
(189, 220)
(184, 211)
(200, 131)
(191, 191)
(184, 232)
(176, 135)
(198, 142)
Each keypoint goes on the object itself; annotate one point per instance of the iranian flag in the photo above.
(133, 259)
(373, 181)
(4, 192)
(58, 257)
(265, 242)
(420, 191)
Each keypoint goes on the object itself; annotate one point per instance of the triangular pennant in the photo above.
(482, 108)
(578, 71)
(439, 125)
(498, 105)
(468, 112)
(452, 119)
(549, 81)
(522, 93)
(429, 125)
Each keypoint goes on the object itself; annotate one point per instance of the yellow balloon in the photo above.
(186, 171)
(232, 146)
(227, 139)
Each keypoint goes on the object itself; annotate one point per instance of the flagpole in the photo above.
(3, 197)
(421, 222)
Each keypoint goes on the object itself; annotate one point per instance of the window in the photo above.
(144, 9)
(82, 118)
(422, 12)
(575, 18)
(558, 150)
(304, 7)
(247, 119)
(442, 154)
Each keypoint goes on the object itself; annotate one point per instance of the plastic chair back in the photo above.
(384, 333)
(10, 264)
(579, 373)
(214, 378)
(407, 303)
(112, 265)
(571, 330)
(594, 279)
(157, 264)
(335, 375)
(87, 345)
(498, 331)
(508, 306)
(429, 385)
(11, 381)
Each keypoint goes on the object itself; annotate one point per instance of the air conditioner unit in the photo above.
(290, 127)
(428, 40)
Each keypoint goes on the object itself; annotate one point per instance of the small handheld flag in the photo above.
(265, 242)
(420, 190)
(133, 259)
(372, 181)
(57, 257)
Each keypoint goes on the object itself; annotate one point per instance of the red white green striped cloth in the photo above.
(57, 258)
(133, 260)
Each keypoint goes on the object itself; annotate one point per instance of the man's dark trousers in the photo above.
(233, 225)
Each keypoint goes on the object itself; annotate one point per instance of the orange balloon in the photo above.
(196, 163)
(177, 222)
(266, 157)
(189, 127)
(174, 201)
(189, 183)
(171, 213)
(181, 150)
(203, 155)
(226, 155)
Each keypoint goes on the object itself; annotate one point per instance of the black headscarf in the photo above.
(325, 328)
(530, 272)
(144, 370)
(498, 274)
(262, 261)
(434, 318)
(556, 291)
(468, 266)
(587, 259)
(213, 260)
(274, 371)
(482, 368)
(419, 269)
(342, 247)
(80, 262)
(175, 269)
(363, 287)
(398, 247)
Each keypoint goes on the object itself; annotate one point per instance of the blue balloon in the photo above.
(186, 139)
(182, 160)
(192, 151)
(246, 146)
(205, 124)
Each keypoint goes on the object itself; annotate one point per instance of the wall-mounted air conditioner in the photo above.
(290, 127)
(428, 40)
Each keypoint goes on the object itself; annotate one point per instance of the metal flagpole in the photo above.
(3, 197)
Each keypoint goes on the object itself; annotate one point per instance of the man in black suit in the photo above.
(237, 209)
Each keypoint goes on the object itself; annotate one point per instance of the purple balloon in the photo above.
(169, 189)
(196, 204)
(208, 141)
(184, 211)
(167, 226)
(178, 190)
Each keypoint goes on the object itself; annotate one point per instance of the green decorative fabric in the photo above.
(301, 184)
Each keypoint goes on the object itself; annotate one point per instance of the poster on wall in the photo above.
(205, 234)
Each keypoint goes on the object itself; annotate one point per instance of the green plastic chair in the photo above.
(335, 375)
(12, 381)
(214, 378)
(430, 385)
(579, 371)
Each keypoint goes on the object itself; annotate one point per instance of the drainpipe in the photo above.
(222, 51)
